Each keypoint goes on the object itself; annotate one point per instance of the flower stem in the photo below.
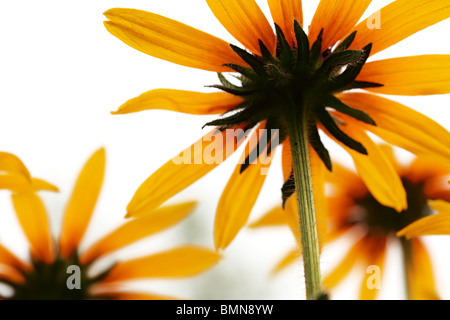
(298, 136)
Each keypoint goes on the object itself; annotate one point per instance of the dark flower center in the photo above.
(382, 220)
(298, 80)
(64, 279)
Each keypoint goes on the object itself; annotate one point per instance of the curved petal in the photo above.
(11, 164)
(399, 20)
(421, 170)
(170, 40)
(286, 261)
(181, 101)
(180, 262)
(81, 204)
(184, 169)
(337, 19)
(375, 168)
(240, 195)
(19, 183)
(137, 229)
(402, 126)
(420, 273)
(284, 12)
(410, 76)
(275, 217)
(33, 218)
(245, 21)
(437, 224)
(345, 265)
(11, 275)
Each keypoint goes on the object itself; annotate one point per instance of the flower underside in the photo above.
(49, 281)
(296, 80)
(382, 220)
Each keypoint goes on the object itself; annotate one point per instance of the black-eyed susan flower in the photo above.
(295, 84)
(46, 275)
(353, 211)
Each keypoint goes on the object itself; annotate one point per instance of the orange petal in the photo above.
(33, 218)
(374, 257)
(275, 217)
(12, 275)
(410, 76)
(137, 229)
(420, 273)
(184, 169)
(245, 21)
(286, 261)
(440, 206)
(170, 40)
(345, 265)
(402, 126)
(337, 19)
(240, 195)
(180, 262)
(9, 259)
(181, 101)
(422, 170)
(284, 12)
(81, 204)
(399, 20)
(375, 168)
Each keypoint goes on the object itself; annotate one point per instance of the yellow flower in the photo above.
(285, 75)
(46, 275)
(354, 212)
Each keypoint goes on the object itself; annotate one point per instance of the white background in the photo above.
(61, 73)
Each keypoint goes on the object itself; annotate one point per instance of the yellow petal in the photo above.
(375, 168)
(420, 273)
(286, 261)
(337, 19)
(399, 20)
(184, 169)
(180, 262)
(422, 170)
(19, 183)
(284, 12)
(239, 196)
(181, 101)
(345, 265)
(436, 224)
(245, 21)
(81, 204)
(402, 126)
(410, 76)
(440, 206)
(9, 259)
(11, 164)
(33, 218)
(275, 217)
(375, 256)
(137, 229)
(170, 40)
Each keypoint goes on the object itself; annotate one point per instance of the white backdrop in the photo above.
(61, 73)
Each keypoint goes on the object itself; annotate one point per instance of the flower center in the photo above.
(384, 220)
(297, 81)
(64, 279)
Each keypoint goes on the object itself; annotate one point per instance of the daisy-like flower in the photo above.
(58, 270)
(292, 84)
(354, 212)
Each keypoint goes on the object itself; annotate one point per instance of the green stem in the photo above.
(298, 135)
(407, 259)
